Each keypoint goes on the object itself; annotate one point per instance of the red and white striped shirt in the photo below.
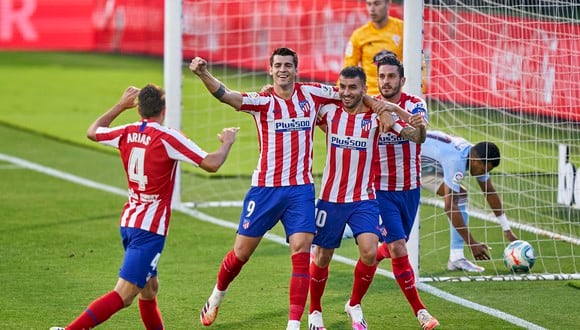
(285, 133)
(150, 153)
(399, 163)
(351, 141)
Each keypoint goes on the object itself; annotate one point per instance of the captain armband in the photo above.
(219, 92)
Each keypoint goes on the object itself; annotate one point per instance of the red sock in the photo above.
(150, 314)
(363, 277)
(229, 269)
(318, 277)
(383, 252)
(299, 284)
(406, 278)
(100, 310)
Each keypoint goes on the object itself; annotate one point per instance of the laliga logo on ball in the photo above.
(568, 182)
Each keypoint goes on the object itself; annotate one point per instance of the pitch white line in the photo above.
(275, 238)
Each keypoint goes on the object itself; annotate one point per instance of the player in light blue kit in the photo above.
(445, 162)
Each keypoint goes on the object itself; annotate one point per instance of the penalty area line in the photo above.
(275, 238)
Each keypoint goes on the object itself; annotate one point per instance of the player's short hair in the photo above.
(151, 101)
(353, 72)
(487, 152)
(283, 51)
(386, 57)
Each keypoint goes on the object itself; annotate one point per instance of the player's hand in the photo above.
(480, 251)
(228, 135)
(418, 121)
(129, 98)
(198, 65)
(510, 236)
(386, 121)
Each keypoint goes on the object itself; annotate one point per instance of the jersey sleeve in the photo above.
(110, 136)
(255, 102)
(179, 147)
(353, 53)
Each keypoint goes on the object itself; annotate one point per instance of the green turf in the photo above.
(60, 249)
(68, 236)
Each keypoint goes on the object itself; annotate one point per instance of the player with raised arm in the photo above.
(282, 183)
(398, 179)
(150, 153)
(347, 195)
(446, 162)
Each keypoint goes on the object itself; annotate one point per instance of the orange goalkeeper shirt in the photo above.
(366, 41)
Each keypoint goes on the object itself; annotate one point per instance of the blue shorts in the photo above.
(398, 211)
(331, 219)
(265, 206)
(142, 252)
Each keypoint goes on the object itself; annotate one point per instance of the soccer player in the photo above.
(382, 32)
(398, 180)
(282, 183)
(446, 161)
(150, 153)
(347, 194)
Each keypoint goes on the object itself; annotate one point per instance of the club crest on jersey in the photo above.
(246, 224)
(458, 177)
(292, 124)
(348, 142)
(305, 107)
(366, 124)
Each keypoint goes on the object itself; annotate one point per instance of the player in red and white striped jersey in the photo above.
(150, 153)
(347, 194)
(398, 179)
(282, 184)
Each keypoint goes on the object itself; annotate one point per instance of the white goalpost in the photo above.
(501, 71)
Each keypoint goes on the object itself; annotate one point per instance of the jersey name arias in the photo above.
(150, 153)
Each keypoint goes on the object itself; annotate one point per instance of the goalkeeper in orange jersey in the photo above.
(381, 33)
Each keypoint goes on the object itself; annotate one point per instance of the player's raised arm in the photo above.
(417, 132)
(213, 161)
(127, 101)
(199, 67)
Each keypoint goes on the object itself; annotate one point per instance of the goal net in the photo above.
(501, 71)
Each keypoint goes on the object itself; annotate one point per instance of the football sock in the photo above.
(363, 277)
(229, 269)
(318, 277)
(456, 239)
(406, 279)
(299, 284)
(150, 314)
(383, 252)
(100, 310)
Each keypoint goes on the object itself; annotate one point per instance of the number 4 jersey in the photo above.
(150, 153)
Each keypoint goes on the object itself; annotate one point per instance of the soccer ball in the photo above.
(519, 256)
